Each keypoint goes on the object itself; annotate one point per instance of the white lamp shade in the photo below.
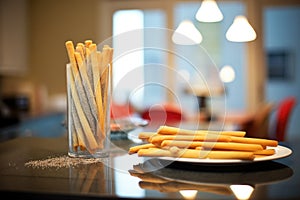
(209, 12)
(186, 34)
(240, 30)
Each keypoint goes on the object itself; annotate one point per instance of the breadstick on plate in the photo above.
(146, 135)
(261, 141)
(192, 153)
(135, 149)
(266, 152)
(158, 139)
(168, 130)
(212, 145)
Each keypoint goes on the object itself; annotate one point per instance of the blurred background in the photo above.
(33, 55)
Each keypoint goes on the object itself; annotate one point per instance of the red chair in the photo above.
(163, 114)
(118, 111)
(284, 112)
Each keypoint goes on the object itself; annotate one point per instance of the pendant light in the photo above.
(186, 34)
(209, 12)
(227, 74)
(240, 30)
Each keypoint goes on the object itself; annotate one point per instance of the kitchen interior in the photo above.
(33, 57)
(206, 78)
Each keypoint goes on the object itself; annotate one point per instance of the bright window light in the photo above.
(130, 53)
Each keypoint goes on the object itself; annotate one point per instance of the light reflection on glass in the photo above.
(188, 194)
(242, 191)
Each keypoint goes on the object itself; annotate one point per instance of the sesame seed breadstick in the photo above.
(89, 102)
(89, 141)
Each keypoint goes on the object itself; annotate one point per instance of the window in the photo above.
(137, 74)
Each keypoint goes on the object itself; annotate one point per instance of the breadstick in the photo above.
(97, 91)
(263, 142)
(266, 152)
(70, 50)
(135, 149)
(104, 79)
(80, 49)
(146, 135)
(212, 145)
(167, 130)
(192, 153)
(88, 43)
(90, 142)
(86, 95)
(77, 79)
(157, 139)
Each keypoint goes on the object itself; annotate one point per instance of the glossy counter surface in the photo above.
(130, 177)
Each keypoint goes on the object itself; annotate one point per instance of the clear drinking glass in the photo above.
(88, 116)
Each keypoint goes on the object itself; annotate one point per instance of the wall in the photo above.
(50, 24)
(282, 30)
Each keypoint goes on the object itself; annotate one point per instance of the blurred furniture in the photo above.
(118, 110)
(163, 114)
(203, 94)
(258, 125)
(282, 117)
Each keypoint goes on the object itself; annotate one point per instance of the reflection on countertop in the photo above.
(178, 177)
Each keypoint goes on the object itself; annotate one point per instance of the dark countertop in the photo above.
(126, 176)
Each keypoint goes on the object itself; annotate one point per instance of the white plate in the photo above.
(280, 152)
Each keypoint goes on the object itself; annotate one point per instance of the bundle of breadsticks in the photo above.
(88, 87)
(170, 141)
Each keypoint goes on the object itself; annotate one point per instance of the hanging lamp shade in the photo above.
(186, 34)
(240, 30)
(209, 12)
